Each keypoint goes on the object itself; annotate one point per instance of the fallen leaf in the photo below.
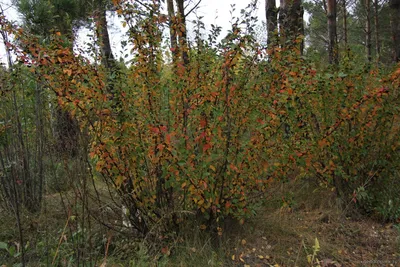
(165, 251)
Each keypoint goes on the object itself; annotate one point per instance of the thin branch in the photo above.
(190, 11)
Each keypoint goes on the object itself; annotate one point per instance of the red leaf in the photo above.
(168, 139)
(155, 130)
(163, 128)
(206, 147)
(203, 123)
(160, 147)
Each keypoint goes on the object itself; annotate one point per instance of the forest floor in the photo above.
(312, 228)
(298, 225)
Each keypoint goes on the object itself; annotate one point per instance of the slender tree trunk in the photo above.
(17, 212)
(107, 58)
(105, 46)
(332, 36)
(181, 32)
(377, 37)
(272, 20)
(344, 8)
(368, 43)
(172, 28)
(39, 147)
(395, 24)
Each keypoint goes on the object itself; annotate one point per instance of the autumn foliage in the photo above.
(206, 138)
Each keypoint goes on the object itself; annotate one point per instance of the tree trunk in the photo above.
(344, 8)
(172, 29)
(377, 37)
(181, 31)
(395, 24)
(332, 36)
(368, 43)
(107, 57)
(272, 20)
(291, 22)
(105, 46)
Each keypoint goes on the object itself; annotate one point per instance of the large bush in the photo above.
(207, 136)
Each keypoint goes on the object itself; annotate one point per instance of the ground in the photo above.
(299, 224)
(287, 236)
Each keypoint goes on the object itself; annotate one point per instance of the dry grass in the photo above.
(285, 236)
(282, 233)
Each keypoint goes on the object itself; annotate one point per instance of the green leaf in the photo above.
(3, 245)
(11, 251)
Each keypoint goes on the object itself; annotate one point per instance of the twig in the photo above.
(190, 11)
(61, 238)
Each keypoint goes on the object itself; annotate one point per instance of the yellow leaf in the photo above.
(67, 71)
(260, 256)
(316, 245)
(124, 24)
(212, 168)
(233, 257)
(240, 258)
(243, 242)
(200, 202)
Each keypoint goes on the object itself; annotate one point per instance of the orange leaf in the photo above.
(67, 71)
(160, 147)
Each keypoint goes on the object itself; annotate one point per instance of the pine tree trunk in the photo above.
(272, 20)
(377, 37)
(331, 14)
(368, 43)
(344, 8)
(395, 24)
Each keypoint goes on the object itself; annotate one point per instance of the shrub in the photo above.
(206, 136)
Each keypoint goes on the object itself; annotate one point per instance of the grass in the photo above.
(284, 233)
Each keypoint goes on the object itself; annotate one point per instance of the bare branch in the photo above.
(190, 11)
